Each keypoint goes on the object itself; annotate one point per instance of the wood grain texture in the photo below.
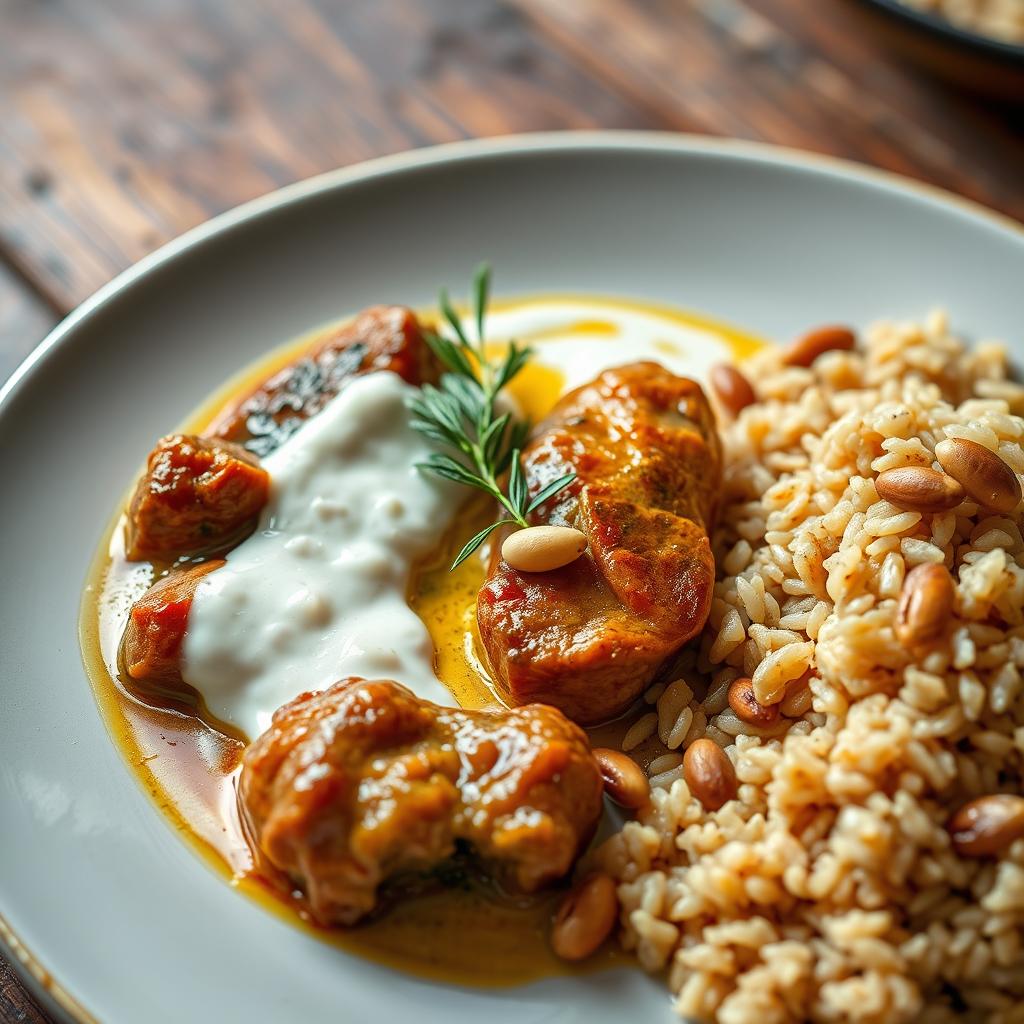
(797, 75)
(125, 122)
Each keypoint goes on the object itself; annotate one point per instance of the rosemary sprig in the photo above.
(460, 415)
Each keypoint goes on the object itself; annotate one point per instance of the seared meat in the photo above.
(588, 638)
(380, 338)
(197, 496)
(364, 782)
(151, 645)
(203, 495)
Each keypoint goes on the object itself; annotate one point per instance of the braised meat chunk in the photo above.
(588, 638)
(197, 496)
(380, 338)
(151, 644)
(364, 782)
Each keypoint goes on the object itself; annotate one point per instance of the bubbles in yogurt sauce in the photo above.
(318, 592)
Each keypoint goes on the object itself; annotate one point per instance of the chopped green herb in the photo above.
(460, 415)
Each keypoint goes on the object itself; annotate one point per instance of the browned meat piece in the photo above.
(380, 338)
(589, 638)
(202, 495)
(197, 496)
(365, 782)
(151, 645)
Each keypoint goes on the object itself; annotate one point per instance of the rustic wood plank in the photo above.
(805, 75)
(124, 122)
(24, 321)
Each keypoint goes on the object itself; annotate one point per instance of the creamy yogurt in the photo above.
(318, 592)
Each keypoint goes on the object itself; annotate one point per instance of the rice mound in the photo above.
(829, 890)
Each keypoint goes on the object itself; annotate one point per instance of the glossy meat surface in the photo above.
(151, 645)
(590, 637)
(364, 782)
(197, 496)
(380, 338)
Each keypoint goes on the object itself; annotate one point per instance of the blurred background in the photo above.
(125, 122)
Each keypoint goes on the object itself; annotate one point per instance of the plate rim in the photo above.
(29, 965)
(526, 142)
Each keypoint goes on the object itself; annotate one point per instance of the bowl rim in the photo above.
(27, 963)
(941, 28)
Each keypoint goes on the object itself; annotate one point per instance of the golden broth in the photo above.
(465, 933)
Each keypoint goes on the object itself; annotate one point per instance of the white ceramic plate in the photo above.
(94, 887)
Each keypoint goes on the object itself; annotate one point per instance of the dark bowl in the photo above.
(973, 61)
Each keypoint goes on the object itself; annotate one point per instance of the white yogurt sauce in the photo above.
(318, 592)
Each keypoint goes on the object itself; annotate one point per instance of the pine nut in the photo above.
(585, 918)
(732, 389)
(624, 782)
(746, 706)
(985, 477)
(807, 348)
(543, 548)
(919, 489)
(988, 825)
(709, 774)
(925, 606)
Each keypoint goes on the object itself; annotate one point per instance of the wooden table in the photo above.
(124, 122)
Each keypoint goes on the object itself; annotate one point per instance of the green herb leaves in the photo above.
(460, 415)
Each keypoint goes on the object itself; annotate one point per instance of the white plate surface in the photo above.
(93, 883)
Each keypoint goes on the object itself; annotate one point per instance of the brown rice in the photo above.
(829, 890)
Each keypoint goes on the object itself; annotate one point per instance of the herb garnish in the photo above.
(460, 414)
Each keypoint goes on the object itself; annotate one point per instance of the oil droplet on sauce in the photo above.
(461, 934)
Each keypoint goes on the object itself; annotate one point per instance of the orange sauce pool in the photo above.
(464, 933)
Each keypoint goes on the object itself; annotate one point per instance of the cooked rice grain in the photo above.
(829, 890)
